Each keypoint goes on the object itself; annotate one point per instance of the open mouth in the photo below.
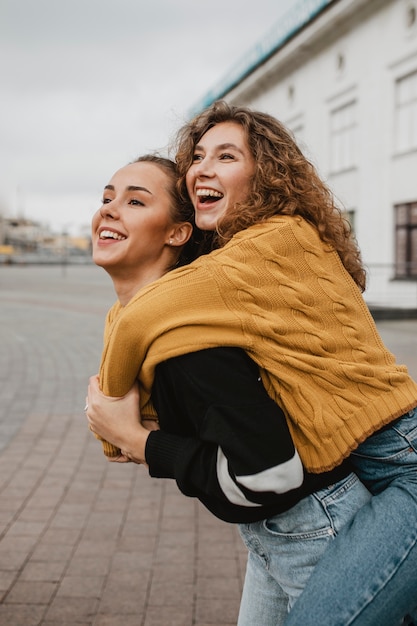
(110, 234)
(208, 195)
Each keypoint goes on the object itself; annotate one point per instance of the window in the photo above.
(296, 127)
(298, 132)
(406, 112)
(406, 240)
(411, 15)
(343, 137)
(349, 215)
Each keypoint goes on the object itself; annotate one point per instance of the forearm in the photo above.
(117, 420)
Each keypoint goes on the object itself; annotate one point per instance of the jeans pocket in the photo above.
(308, 519)
(323, 513)
(406, 427)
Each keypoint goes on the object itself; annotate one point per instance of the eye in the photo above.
(197, 157)
(226, 157)
(105, 201)
(136, 202)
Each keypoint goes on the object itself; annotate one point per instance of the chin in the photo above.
(206, 222)
(99, 261)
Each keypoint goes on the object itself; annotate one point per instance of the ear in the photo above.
(180, 234)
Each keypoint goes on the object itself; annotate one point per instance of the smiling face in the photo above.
(131, 231)
(221, 173)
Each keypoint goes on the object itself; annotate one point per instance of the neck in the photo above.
(127, 284)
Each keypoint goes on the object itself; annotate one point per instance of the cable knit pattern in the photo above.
(279, 293)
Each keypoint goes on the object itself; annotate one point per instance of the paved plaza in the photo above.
(84, 542)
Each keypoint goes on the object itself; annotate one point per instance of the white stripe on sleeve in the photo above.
(278, 479)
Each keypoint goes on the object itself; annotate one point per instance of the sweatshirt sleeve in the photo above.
(222, 438)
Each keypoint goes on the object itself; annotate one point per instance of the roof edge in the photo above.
(285, 29)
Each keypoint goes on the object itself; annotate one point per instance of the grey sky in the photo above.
(88, 85)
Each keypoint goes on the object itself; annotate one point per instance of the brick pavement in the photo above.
(82, 541)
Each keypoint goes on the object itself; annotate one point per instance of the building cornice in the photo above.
(287, 45)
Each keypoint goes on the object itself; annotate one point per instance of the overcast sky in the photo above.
(88, 85)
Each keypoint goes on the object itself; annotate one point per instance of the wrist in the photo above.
(135, 450)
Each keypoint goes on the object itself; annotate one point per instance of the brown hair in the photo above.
(284, 182)
(181, 208)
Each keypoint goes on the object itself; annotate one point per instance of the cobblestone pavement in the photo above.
(82, 541)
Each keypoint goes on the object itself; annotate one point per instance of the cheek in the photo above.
(243, 188)
(95, 220)
(189, 182)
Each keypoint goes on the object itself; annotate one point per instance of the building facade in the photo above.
(342, 75)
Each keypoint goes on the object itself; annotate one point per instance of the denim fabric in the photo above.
(368, 575)
(284, 549)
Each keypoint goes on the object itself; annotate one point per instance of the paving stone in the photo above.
(31, 593)
(82, 541)
(21, 614)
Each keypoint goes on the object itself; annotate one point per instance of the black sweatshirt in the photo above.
(224, 440)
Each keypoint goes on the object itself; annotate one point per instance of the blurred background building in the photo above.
(25, 241)
(342, 75)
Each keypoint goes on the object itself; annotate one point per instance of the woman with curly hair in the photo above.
(284, 285)
(284, 182)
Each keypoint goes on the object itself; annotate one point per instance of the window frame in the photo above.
(405, 241)
(343, 137)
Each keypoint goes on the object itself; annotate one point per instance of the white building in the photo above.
(342, 75)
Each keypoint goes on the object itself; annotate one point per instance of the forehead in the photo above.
(224, 133)
(142, 174)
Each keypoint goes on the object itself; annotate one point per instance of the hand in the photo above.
(122, 458)
(117, 420)
(150, 423)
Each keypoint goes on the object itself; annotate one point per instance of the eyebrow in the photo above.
(130, 188)
(222, 146)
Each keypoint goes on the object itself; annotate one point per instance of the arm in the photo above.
(222, 438)
(117, 420)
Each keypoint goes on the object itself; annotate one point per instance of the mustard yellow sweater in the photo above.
(279, 293)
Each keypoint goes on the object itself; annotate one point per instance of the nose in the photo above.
(109, 210)
(203, 168)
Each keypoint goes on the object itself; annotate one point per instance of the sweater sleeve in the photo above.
(222, 438)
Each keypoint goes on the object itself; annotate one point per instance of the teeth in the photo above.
(209, 192)
(110, 234)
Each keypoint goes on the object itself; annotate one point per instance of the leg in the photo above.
(365, 577)
(369, 573)
(288, 546)
(263, 599)
(297, 539)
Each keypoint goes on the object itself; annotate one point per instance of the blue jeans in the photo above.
(368, 575)
(284, 549)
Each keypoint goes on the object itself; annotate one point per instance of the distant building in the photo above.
(27, 241)
(342, 75)
(2, 229)
(23, 235)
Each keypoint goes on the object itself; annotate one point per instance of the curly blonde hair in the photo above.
(285, 182)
